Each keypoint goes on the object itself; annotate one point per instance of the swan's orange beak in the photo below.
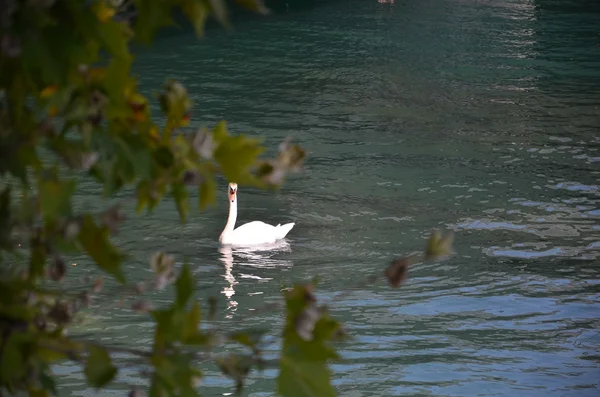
(232, 193)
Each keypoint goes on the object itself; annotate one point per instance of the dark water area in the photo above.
(482, 117)
(239, 15)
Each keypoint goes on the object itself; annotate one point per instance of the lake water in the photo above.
(481, 117)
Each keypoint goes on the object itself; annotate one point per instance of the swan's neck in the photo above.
(231, 218)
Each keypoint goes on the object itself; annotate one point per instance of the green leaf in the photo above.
(168, 326)
(220, 132)
(12, 362)
(137, 153)
(181, 195)
(99, 369)
(70, 151)
(25, 156)
(158, 388)
(47, 381)
(66, 246)
(197, 12)
(249, 338)
(237, 367)
(236, 155)
(38, 393)
(175, 373)
(18, 311)
(176, 103)
(303, 362)
(51, 349)
(191, 335)
(114, 36)
(94, 240)
(303, 379)
(219, 9)
(37, 259)
(39, 52)
(184, 286)
(117, 78)
(164, 157)
(6, 222)
(50, 355)
(191, 322)
(142, 192)
(152, 15)
(325, 330)
(113, 181)
(55, 197)
(208, 193)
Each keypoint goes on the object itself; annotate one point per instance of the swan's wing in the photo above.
(259, 232)
(254, 227)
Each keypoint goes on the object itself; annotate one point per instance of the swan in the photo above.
(252, 233)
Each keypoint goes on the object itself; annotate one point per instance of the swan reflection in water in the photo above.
(258, 257)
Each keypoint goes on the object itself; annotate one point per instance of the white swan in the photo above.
(252, 233)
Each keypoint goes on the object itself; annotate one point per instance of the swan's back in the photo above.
(258, 232)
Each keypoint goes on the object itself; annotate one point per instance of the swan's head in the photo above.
(232, 191)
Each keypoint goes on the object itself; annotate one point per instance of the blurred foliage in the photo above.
(70, 109)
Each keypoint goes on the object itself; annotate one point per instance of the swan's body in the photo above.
(252, 233)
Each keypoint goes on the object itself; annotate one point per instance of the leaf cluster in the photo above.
(71, 111)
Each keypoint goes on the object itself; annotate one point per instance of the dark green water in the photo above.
(477, 116)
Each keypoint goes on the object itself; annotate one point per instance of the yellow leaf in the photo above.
(153, 132)
(185, 121)
(97, 74)
(439, 246)
(135, 98)
(104, 12)
(48, 91)
(139, 116)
